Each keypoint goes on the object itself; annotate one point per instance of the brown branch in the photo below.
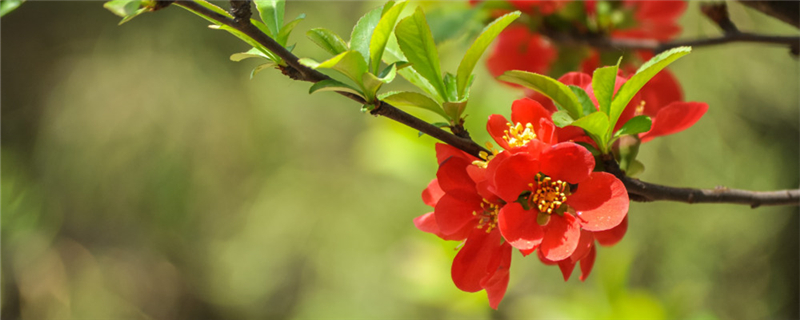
(637, 190)
(304, 73)
(786, 11)
(645, 192)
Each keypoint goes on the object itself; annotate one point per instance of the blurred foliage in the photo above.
(145, 176)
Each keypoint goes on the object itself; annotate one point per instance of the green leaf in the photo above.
(334, 85)
(251, 42)
(362, 32)
(271, 12)
(412, 99)
(258, 68)
(327, 40)
(389, 73)
(479, 46)
(587, 106)
(634, 169)
(416, 42)
(348, 63)
(127, 9)
(557, 91)
(371, 85)
(635, 125)
(595, 125)
(283, 35)
(642, 76)
(450, 87)
(627, 150)
(603, 82)
(393, 52)
(252, 53)
(7, 6)
(381, 34)
(562, 119)
(454, 109)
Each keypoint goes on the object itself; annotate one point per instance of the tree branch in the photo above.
(638, 190)
(786, 11)
(298, 71)
(645, 192)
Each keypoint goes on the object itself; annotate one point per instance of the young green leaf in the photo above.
(388, 74)
(252, 53)
(603, 82)
(362, 32)
(381, 34)
(635, 125)
(454, 109)
(283, 35)
(251, 42)
(327, 40)
(394, 54)
(412, 99)
(334, 85)
(450, 87)
(479, 46)
(416, 42)
(595, 125)
(271, 12)
(557, 91)
(127, 9)
(642, 76)
(260, 67)
(348, 63)
(587, 106)
(562, 119)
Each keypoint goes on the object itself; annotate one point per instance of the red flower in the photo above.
(655, 20)
(543, 7)
(519, 49)
(461, 212)
(586, 252)
(562, 196)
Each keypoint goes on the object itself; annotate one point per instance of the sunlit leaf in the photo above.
(381, 34)
(479, 46)
(412, 99)
(557, 91)
(327, 40)
(416, 42)
(283, 35)
(603, 82)
(271, 12)
(362, 32)
(334, 85)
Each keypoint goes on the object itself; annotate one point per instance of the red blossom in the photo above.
(586, 251)
(461, 212)
(519, 49)
(654, 20)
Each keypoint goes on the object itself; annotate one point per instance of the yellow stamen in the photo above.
(484, 155)
(488, 217)
(518, 135)
(549, 195)
(639, 109)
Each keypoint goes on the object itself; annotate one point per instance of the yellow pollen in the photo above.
(487, 218)
(519, 135)
(549, 195)
(639, 109)
(484, 155)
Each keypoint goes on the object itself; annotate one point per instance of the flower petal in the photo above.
(660, 91)
(496, 284)
(587, 263)
(566, 266)
(497, 126)
(561, 237)
(585, 244)
(453, 177)
(567, 161)
(579, 79)
(611, 236)
(471, 262)
(513, 175)
(432, 193)
(446, 151)
(427, 223)
(519, 227)
(675, 117)
(546, 131)
(453, 213)
(601, 202)
(526, 111)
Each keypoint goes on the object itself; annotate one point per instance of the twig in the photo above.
(786, 11)
(638, 190)
(645, 192)
(307, 74)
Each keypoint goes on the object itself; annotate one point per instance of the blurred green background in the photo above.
(145, 176)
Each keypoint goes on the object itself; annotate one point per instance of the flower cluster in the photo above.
(536, 194)
(528, 45)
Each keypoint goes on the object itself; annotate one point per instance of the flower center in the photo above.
(549, 195)
(518, 135)
(487, 218)
(639, 109)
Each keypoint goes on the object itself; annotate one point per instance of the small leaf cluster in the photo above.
(577, 109)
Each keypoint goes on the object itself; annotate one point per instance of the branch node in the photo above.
(718, 12)
(240, 10)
